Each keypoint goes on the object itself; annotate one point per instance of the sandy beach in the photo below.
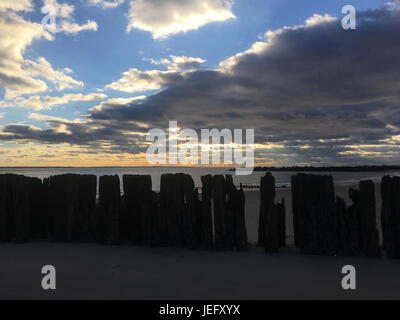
(90, 271)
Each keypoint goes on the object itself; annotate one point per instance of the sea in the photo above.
(282, 179)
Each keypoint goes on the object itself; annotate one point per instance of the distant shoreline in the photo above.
(327, 169)
(256, 169)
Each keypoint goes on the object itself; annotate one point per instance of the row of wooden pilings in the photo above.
(64, 209)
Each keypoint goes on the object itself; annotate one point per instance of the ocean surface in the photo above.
(281, 178)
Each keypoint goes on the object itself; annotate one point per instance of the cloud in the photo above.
(135, 80)
(175, 63)
(66, 22)
(164, 18)
(63, 10)
(73, 28)
(38, 103)
(20, 76)
(20, 5)
(314, 93)
(43, 68)
(15, 35)
(2, 115)
(106, 4)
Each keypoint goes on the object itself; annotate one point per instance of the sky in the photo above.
(86, 92)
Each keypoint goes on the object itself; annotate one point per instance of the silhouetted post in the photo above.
(20, 208)
(191, 216)
(110, 197)
(314, 214)
(87, 186)
(5, 193)
(369, 231)
(38, 218)
(236, 211)
(172, 207)
(151, 214)
(63, 197)
(328, 222)
(137, 191)
(390, 219)
(221, 223)
(349, 225)
(268, 229)
(281, 211)
(206, 228)
(72, 200)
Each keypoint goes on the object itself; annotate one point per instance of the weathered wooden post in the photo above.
(137, 191)
(268, 236)
(281, 211)
(236, 215)
(20, 208)
(172, 207)
(4, 209)
(348, 225)
(151, 214)
(223, 240)
(109, 200)
(314, 214)
(72, 203)
(328, 220)
(206, 227)
(87, 186)
(390, 219)
(369, 231)
(38, 218)
(191, 216)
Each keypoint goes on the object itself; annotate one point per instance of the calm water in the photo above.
(282, 178)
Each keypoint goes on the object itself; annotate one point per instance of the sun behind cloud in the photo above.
(164, 18)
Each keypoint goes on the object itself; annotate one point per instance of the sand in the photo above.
(90, 271)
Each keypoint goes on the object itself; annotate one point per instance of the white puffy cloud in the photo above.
(19, 5)
(117, 102)
(15, 35)
(74, 28)
(179, 63)
(43, 68)
(66, 22)
(135, 80)
(20, 76)
(39, 103)
(164, 18)
(63, 10)
(106, 4)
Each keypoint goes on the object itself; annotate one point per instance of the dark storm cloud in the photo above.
(317, 90)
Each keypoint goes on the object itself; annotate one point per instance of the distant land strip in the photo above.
(331, 169)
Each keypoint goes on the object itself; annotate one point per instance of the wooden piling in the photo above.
(268, 236)
(191, 214)
(349, 227)
(314, 214)
(137, 191)
(109, 210)
(223, 240)
(206, 221)
(172, 208)
(369, 232)
(390, 219)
